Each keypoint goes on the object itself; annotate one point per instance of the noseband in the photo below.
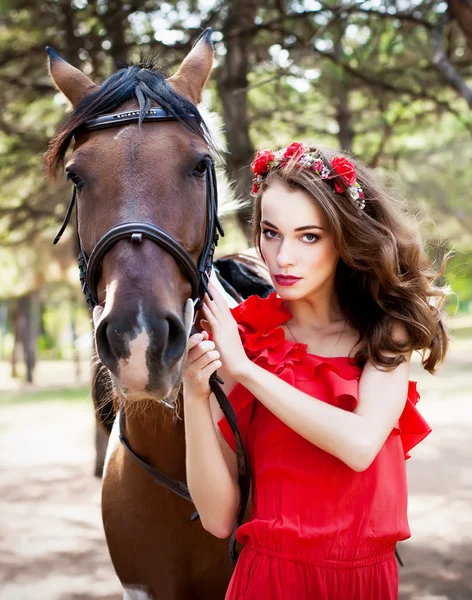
(198, 275)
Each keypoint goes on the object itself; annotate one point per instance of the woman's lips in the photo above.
(286, 279)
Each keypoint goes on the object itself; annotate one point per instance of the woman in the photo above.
(318, 375)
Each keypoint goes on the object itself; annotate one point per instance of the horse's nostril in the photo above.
(173, 329)
(176, 340)
(104, 349)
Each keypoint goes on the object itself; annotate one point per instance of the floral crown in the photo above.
(341, 170)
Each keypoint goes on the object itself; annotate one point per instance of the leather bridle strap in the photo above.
(244, 471)
(128, 116)
(177, 487)
(136, 232)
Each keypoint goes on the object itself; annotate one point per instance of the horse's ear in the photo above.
(70, 81)
(194, 71)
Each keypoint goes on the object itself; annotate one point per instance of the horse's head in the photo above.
(153, 172)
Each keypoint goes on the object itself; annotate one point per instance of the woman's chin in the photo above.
(290, 292)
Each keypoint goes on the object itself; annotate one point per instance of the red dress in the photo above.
(318, 529)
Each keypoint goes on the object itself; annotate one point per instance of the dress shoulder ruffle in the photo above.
(334, 380)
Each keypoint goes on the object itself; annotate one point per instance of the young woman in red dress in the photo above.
(318, 375)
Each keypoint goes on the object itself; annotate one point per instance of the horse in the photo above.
(144, 186)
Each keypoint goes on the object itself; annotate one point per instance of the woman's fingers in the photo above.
(218, 305)
(217, 297)
(200, 369)
(200, 349)
(204, 360)
(193, 340)
(205, 325)
(209, 313)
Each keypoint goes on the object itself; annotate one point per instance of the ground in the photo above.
(51, 540)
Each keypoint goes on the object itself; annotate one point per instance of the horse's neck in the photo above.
(157, 437)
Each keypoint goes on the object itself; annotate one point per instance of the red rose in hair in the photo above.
(260, 165)
(294, 150)
(345, 170)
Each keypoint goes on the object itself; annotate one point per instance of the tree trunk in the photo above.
(30, 310)
(232, 87)
(18, 326)
(3, 328)
(461, 11)
(341, 96)
(114, 20)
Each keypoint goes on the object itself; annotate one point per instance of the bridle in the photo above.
(198, 275)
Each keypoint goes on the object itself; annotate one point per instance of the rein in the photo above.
(198, 275)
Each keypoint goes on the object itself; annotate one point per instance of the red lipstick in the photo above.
(286, 279)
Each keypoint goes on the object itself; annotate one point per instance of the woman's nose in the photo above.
(285, 255)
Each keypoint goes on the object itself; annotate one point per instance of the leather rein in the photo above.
(198, 275)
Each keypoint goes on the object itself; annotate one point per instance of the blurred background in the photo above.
(390, 81)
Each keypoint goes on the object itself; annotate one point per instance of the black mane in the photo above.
(144, 83)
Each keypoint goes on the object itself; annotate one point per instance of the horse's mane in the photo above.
(143, 82)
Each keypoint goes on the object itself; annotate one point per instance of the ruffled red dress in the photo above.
(318, 529)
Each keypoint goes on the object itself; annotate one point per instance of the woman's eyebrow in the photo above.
(269, 224)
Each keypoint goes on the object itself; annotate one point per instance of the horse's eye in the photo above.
(200, 169)
(75, 179)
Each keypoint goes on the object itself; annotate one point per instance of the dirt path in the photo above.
(51, 539)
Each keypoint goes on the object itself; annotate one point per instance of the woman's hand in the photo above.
(202, 360)
(220, 323)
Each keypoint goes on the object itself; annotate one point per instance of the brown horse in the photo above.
(151, 173)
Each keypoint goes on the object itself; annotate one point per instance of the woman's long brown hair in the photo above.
(384, 274)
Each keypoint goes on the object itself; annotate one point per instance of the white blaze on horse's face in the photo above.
(134, 373)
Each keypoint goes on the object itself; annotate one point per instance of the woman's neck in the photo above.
(317, 311)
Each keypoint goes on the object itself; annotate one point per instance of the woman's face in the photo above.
(295, 242)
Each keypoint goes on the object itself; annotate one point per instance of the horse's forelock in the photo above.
(139, 82)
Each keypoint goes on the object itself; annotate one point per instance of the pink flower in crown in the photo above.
(344, 169)
(260, 165)
(295, 150)
(318, 167)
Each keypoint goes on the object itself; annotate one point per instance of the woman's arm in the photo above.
(353, 437)
(212, 475)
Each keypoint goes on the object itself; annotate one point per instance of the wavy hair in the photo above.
(384, 274)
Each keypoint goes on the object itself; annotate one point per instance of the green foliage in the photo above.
(355, 75)
(459, 278)
(69, 394)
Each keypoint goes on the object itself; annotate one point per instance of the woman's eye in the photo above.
(75, 179)
(268, 234)
(200, 169)
(311, 237)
